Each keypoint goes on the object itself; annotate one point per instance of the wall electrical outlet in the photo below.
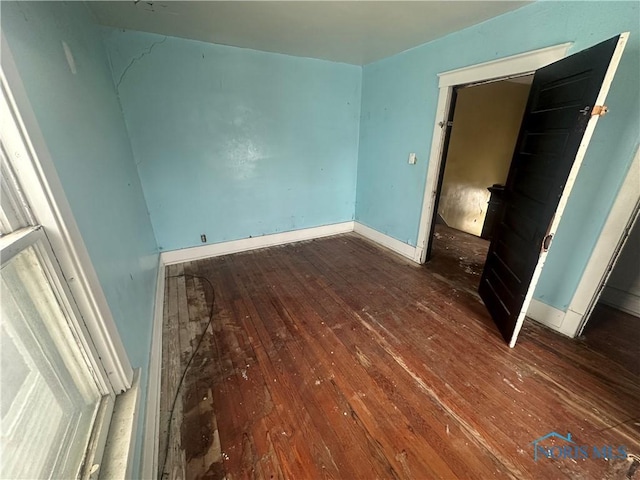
(412, 158)
(203, 238)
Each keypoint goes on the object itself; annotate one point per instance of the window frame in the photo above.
(35, 197)
(35, 171)
(34, 236)
(14, 243)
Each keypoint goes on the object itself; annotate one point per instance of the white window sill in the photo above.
(117, 459)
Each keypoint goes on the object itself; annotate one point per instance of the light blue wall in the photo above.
(236, 143)
(399, 96)
(82, 124)
(233, 142)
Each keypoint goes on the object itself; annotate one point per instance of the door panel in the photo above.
(550, 147)
(521, 223)
(552, 143)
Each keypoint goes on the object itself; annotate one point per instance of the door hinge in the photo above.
(447, 124)
(599, 110)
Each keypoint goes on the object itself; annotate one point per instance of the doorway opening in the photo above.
(481, 136)
(612, 327)
(516, 65)
(566, 99)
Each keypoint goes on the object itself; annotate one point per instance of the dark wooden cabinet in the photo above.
(494, 210)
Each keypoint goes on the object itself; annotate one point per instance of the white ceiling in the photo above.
(357, 32)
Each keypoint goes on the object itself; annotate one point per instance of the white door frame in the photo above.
(618, 223)
(605, 254)
(521, 64)
(571, 179)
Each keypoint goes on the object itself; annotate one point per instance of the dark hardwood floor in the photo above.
(458, 257)
(335, 358)
(616, 335)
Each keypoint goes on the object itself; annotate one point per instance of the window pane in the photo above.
(13, 212)
(49, 397)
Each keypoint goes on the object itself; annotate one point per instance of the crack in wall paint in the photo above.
(134, 60)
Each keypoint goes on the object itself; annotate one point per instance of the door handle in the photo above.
(546, 242)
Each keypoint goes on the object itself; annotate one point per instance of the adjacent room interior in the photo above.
(482, 138)
(485, 127)
(215, 219)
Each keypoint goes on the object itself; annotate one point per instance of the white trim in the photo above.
(526, 62)
(15, 242)
(625, 301)
(605, 253)
(433, 173)
(34, 237)
(514, 65)
(391, 243)
(36, 173)
(119, 451)
(150, 444)
(545, 314)
(171, 257)
(571, 179)
(150, 441)
(152, 415)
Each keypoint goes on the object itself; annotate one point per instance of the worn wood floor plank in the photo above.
(320, 403)
(333, 350)
(390, 382)
(575, 408)
(171, 459)
(395, 357)
(611, 330)
(337, 359)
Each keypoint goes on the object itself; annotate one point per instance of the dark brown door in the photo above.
(557, 124)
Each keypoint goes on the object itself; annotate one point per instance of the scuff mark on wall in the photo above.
(136, 59)
(69, 56)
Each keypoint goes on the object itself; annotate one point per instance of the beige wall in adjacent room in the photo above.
(485, 128)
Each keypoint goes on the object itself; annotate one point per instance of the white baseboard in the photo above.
(625, 301)
(545, 314)
(150, 446)
(224, 248)
(571, 323)
(391, 243)
(149, 466)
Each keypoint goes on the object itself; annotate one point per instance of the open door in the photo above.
(565, 101)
